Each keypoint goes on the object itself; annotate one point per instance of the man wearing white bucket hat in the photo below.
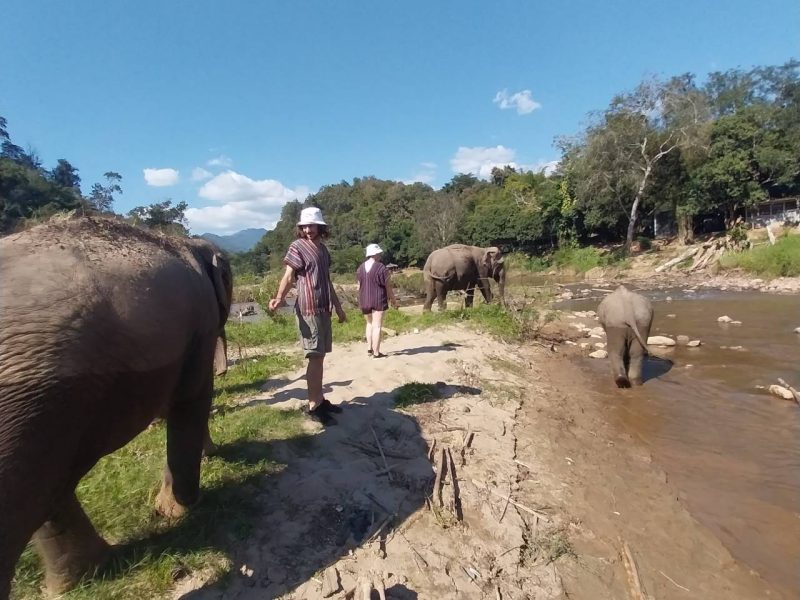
(374, 294)
(308, 262)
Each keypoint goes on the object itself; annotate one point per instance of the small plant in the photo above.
(645, 243)
(415, 393)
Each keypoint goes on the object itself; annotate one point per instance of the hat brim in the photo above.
(301, 223)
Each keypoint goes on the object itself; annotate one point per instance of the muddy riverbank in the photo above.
(728, 447)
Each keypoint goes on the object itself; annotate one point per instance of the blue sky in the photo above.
(237, 107)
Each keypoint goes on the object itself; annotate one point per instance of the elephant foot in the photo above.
(167, 505)
(622, 381)
(69, 550)
(209, 447)
(636, 381)
(72, 568)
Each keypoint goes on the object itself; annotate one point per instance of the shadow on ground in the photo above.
(311, 500)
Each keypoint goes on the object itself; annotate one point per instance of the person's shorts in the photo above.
(369, 311)
(315, 333)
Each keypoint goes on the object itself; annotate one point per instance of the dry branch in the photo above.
(634, 582)
(456, 492)
(795, 393)
(437, 484)
(519, 505)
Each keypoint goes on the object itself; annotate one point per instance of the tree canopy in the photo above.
(677, 146)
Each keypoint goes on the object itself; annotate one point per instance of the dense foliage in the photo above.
(676, 148)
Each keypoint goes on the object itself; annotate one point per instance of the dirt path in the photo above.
(539, 496)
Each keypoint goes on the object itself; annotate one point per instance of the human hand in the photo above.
(341, 314)
(275, 304)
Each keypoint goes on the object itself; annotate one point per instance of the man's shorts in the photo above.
(315, 333)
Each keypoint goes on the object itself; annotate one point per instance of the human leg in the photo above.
(377, 324)
(368, 335)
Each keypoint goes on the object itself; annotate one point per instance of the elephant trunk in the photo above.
(501, 284)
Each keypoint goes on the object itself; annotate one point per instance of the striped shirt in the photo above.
(311, 264)
(372, 286)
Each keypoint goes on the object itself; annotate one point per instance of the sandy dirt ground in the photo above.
(510, 485)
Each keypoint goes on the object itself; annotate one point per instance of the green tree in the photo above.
(101, 197)
(161, 216)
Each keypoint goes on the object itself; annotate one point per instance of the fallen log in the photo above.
(690, 252)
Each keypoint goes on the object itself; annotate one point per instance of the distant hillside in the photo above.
(241, 241)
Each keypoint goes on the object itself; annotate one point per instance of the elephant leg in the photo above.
(638, 353)
(486, 289)
(441, 295)
(617, 346)
(69, 546)
(209, 447)
(430, 294)
(187, 426)
(470, 297)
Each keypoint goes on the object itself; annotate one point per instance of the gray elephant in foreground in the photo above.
(626, 318)
(103, 327)
(460, 267)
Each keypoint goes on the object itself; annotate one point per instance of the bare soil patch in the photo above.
(511, 484)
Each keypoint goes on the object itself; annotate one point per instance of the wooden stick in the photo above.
(795, 393)
(437, 485)
(634, 582)
(520, 506)
(508, 501)
(456, 492)
(383, 456)
(432, 450)
(676, 584)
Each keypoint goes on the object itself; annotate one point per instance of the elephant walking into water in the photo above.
(460, 267)
(626, 318)
(103, 327)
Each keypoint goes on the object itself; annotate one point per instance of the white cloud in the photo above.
(220, 161)
(200, 174)
(480, 160)
(161, 177)
(240, 203)
(547, 167)
(425, 174)
(522, 101)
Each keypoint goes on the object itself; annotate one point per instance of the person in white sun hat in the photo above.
(308, 262)
(374, 295)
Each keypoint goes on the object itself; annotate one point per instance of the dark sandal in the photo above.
(379, 355)
(329, 406)
(321, 416)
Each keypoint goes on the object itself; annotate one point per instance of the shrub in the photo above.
(780, 260)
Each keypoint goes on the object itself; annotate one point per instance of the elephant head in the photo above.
(492, 265)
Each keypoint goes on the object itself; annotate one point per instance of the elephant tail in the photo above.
(643, 342)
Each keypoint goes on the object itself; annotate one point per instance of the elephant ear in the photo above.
(219, 272)
(491, 256)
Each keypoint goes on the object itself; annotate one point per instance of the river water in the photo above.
(731, 449)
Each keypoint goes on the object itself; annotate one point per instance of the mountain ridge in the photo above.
(241, 241)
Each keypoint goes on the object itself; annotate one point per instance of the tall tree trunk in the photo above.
(685, 229)
(635, 210)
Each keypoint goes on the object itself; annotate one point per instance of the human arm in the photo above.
(337, 306)
(283, 289)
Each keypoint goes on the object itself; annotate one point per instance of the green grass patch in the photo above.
(519, 261)
(780, 260)
(411, 283)
(415, 393)
(247, 376)
(118, 496)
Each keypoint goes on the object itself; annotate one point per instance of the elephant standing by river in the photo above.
(626, 318)
(460, 267)
(103, 327)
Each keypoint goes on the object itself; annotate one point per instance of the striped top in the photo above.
(372, 286)
(311, 264)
